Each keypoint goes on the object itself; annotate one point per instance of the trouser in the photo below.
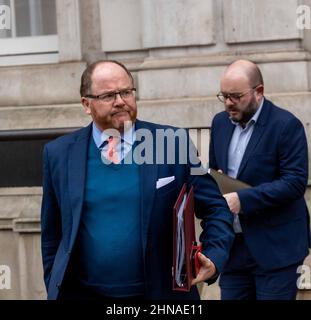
(243, 279)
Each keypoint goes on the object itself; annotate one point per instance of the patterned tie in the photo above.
(112, 152)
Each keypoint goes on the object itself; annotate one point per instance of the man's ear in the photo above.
(86, 105)
(259, 92)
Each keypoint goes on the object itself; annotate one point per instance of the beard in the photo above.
(243, 116)
(117, 120)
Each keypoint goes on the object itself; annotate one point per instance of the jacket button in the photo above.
(69, 253)
(58, 285)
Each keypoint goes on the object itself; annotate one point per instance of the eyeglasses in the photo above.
(233, 97)
(111, 96)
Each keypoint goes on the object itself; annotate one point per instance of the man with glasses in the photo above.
(107, 217)
(265, 146)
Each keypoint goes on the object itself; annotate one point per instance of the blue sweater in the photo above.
(109, 243)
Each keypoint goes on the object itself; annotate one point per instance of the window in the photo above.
(21, 155)
(30, 34)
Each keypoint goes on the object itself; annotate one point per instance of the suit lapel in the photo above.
(148, 174)
(77, 158)
(148, 178)
(259, 129)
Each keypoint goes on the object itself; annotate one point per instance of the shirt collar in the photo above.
(99, 137)
(257, 113)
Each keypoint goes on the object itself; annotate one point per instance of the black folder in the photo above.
(185, 248)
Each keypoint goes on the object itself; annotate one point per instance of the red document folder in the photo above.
(185, 249)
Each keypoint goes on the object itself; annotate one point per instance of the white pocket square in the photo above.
(164, 181)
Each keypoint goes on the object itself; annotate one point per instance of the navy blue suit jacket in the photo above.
(274, 218)
(63, 188)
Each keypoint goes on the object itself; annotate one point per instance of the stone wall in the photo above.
(20, 243)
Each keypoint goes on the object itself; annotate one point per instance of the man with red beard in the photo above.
(265, 146)
(107, 216)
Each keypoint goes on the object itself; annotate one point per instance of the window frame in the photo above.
(28, 49)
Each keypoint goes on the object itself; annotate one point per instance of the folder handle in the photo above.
(195, 249)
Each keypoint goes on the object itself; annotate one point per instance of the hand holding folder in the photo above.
(186, 264)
